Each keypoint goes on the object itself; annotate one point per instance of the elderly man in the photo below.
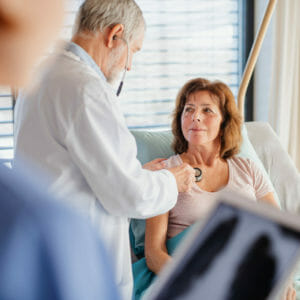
(40, 256)
(72, 127)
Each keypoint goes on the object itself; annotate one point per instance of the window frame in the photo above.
(246, 16)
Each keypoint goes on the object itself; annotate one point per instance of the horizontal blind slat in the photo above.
(6, 126)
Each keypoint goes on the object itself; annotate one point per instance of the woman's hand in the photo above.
(155, 165)
(290, 293)
(269, 198)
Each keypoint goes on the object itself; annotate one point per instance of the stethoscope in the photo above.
(126, 64)
(198, 174)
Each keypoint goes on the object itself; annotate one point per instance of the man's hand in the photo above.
(185, 176)
(155, 165)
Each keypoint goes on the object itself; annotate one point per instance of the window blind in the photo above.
(184, 39)
(6, 126)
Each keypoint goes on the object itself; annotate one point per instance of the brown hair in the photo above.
(231, 137)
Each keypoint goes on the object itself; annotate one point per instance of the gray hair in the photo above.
(96, 15)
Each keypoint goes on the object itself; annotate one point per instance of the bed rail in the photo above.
(254, 55)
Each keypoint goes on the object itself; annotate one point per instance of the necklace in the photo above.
(198, 174)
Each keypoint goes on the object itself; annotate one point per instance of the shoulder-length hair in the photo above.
(230, 134)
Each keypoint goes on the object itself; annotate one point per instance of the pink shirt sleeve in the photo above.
(261, 182)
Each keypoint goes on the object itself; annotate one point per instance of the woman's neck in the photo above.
(202, 156)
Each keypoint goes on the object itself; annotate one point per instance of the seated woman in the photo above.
(207, 135)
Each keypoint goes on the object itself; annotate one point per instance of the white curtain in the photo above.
(284, 102)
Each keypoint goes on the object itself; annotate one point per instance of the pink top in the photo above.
(244, 177)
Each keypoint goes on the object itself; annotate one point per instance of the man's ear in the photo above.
(113, 33)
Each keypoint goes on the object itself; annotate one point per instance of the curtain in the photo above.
(284, 108)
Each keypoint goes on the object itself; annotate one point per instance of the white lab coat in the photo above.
(72, 127)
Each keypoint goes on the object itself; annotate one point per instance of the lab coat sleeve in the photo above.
(105, 151)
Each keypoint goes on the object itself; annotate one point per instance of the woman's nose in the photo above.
(197, 116)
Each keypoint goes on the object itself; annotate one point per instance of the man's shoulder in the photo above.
(72, 80)
(65, 70)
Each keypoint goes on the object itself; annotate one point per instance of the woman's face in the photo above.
(201, 120)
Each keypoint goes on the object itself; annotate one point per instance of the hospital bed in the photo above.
(260, 143)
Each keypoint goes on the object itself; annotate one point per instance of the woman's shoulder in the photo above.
(173, 161)
(243, 163)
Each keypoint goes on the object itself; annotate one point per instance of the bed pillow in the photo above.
(247, 151)
(153, 144)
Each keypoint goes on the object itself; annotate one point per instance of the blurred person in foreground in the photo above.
(46, 250)
(73, 128)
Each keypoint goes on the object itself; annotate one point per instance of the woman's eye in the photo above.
(207, 110)
(188, 109)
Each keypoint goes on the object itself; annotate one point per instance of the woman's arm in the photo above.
(269, 198)
(155, 242)
(290, 292)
